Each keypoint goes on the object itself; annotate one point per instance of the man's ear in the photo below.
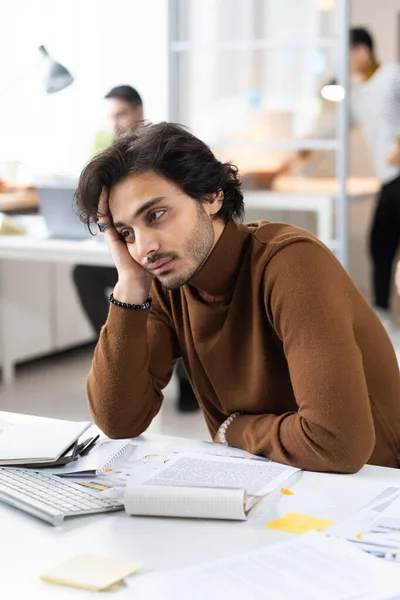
(214, 202)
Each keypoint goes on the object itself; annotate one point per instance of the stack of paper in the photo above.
(376, 527)
(309, 567)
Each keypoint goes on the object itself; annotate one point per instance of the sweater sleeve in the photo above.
(133, 362)
(307, 301)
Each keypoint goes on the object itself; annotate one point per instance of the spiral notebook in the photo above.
(100, 459)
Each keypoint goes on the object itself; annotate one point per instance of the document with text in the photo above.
(309, 567)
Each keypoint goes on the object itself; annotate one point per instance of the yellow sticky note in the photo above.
(95, 486)
(286, 492)
(297, 523)
(88, 572)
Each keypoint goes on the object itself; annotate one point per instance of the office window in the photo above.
(241, 58)
(246, 76)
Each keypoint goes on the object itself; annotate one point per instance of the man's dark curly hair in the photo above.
(172, 152)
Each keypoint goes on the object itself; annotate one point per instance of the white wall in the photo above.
(103, 43)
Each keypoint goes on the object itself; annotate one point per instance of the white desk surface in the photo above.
(30, 547)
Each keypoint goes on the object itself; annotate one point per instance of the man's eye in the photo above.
(126, 234)
(156, 214)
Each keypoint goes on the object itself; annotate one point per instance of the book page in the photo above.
(166, 501)
(308, 567)
(255, 477)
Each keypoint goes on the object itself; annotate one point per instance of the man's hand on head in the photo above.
(133, 280)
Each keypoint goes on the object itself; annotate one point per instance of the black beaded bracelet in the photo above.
(143, 306)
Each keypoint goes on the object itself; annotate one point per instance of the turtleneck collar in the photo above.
(369, 71)
(217, 276)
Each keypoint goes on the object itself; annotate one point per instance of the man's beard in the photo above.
(197, 247)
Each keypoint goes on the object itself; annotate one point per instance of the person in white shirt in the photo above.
(375, 107)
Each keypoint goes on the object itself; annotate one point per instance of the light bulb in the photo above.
(333, 93)
(325, 4)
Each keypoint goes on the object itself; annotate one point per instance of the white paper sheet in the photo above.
(309, 567)
(375, 528)
(253, 476)
(4, 425)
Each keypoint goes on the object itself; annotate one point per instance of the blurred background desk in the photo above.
(20, 201)
(301, 196)
(39, 310)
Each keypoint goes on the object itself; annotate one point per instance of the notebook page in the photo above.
(308, 567)
(165, 501)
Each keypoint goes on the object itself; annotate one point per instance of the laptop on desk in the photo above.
(56, 207)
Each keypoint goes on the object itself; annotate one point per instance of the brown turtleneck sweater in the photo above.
(272, 326)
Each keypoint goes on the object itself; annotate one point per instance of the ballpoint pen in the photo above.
(85, 447)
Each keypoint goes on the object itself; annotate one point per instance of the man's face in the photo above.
(166, 232)
(359, 58)
(122, 115)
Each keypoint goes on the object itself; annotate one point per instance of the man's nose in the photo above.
(146, 243)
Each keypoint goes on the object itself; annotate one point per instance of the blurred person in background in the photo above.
(125, 110)
(375, 107)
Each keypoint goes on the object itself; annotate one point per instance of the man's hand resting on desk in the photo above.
(134, 281)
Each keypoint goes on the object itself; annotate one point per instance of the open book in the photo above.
(208, 487)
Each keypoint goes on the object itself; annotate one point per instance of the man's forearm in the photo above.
(123, 396)
(293, 440)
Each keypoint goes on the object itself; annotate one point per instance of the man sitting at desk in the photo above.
(286, 357)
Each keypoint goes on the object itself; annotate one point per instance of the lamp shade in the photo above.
(56, 77)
